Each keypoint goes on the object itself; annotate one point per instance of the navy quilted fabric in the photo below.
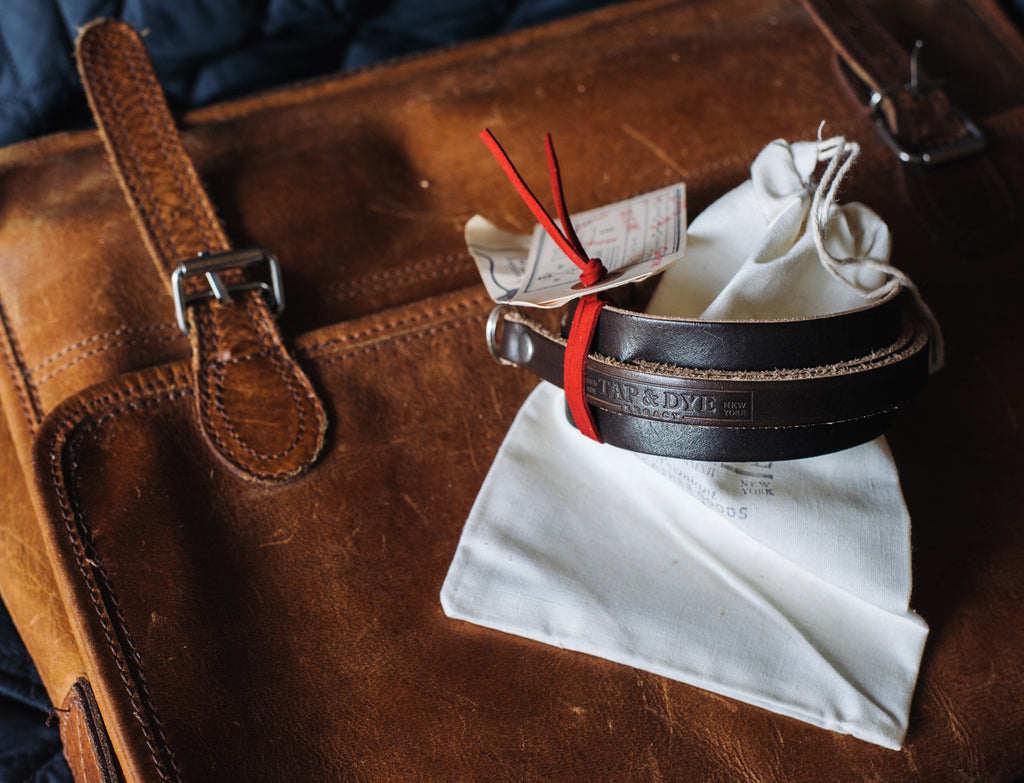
(29, 749)
(209, 50)
(204, 51)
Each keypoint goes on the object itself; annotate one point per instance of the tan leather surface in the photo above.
(27, 586)
(294, 632)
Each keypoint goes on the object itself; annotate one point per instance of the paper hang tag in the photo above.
(634, 239)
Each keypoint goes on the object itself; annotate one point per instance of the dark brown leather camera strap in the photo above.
(736, 391)
(254, 403)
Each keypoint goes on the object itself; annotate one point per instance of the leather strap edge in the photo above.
(87, 747)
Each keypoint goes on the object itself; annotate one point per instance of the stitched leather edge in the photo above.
(103, 44)
(478, 318)
(416, 272)
(67, 435)
(82, 721)
(84, 415)
(177, 221)
(20, 376)
(215, 416)
(64, 367)
(480, 300)
(233, 439)
(111, 335)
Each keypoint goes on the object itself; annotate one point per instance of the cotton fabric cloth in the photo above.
(784, 584)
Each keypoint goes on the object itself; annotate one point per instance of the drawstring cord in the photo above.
(841, 155)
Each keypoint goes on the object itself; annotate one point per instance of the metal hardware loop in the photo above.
(971, 144)
(210, 266)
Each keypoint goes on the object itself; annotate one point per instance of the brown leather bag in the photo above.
(224, 550)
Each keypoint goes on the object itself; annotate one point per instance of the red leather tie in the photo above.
(592, 271)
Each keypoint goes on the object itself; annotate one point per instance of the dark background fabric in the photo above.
(204, 51)
(209, 50)
(29, 749)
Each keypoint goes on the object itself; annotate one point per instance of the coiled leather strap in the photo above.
(737, 391)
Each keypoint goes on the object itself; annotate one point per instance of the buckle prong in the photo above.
(210, 267)
(220, 291)
(915, 55)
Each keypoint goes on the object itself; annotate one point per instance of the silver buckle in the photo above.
(971, 144)
(211, 265)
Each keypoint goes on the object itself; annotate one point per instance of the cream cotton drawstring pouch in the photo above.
(781, 584)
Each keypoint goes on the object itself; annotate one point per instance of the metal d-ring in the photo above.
(491, 333)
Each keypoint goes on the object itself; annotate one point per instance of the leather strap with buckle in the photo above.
(241, 367)
(740, 390)
(950, 180)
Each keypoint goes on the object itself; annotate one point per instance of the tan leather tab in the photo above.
(175, 216)
(86, 746)
(263, 419)
(256, 407)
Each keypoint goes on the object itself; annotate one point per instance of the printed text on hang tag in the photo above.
(634, 239)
